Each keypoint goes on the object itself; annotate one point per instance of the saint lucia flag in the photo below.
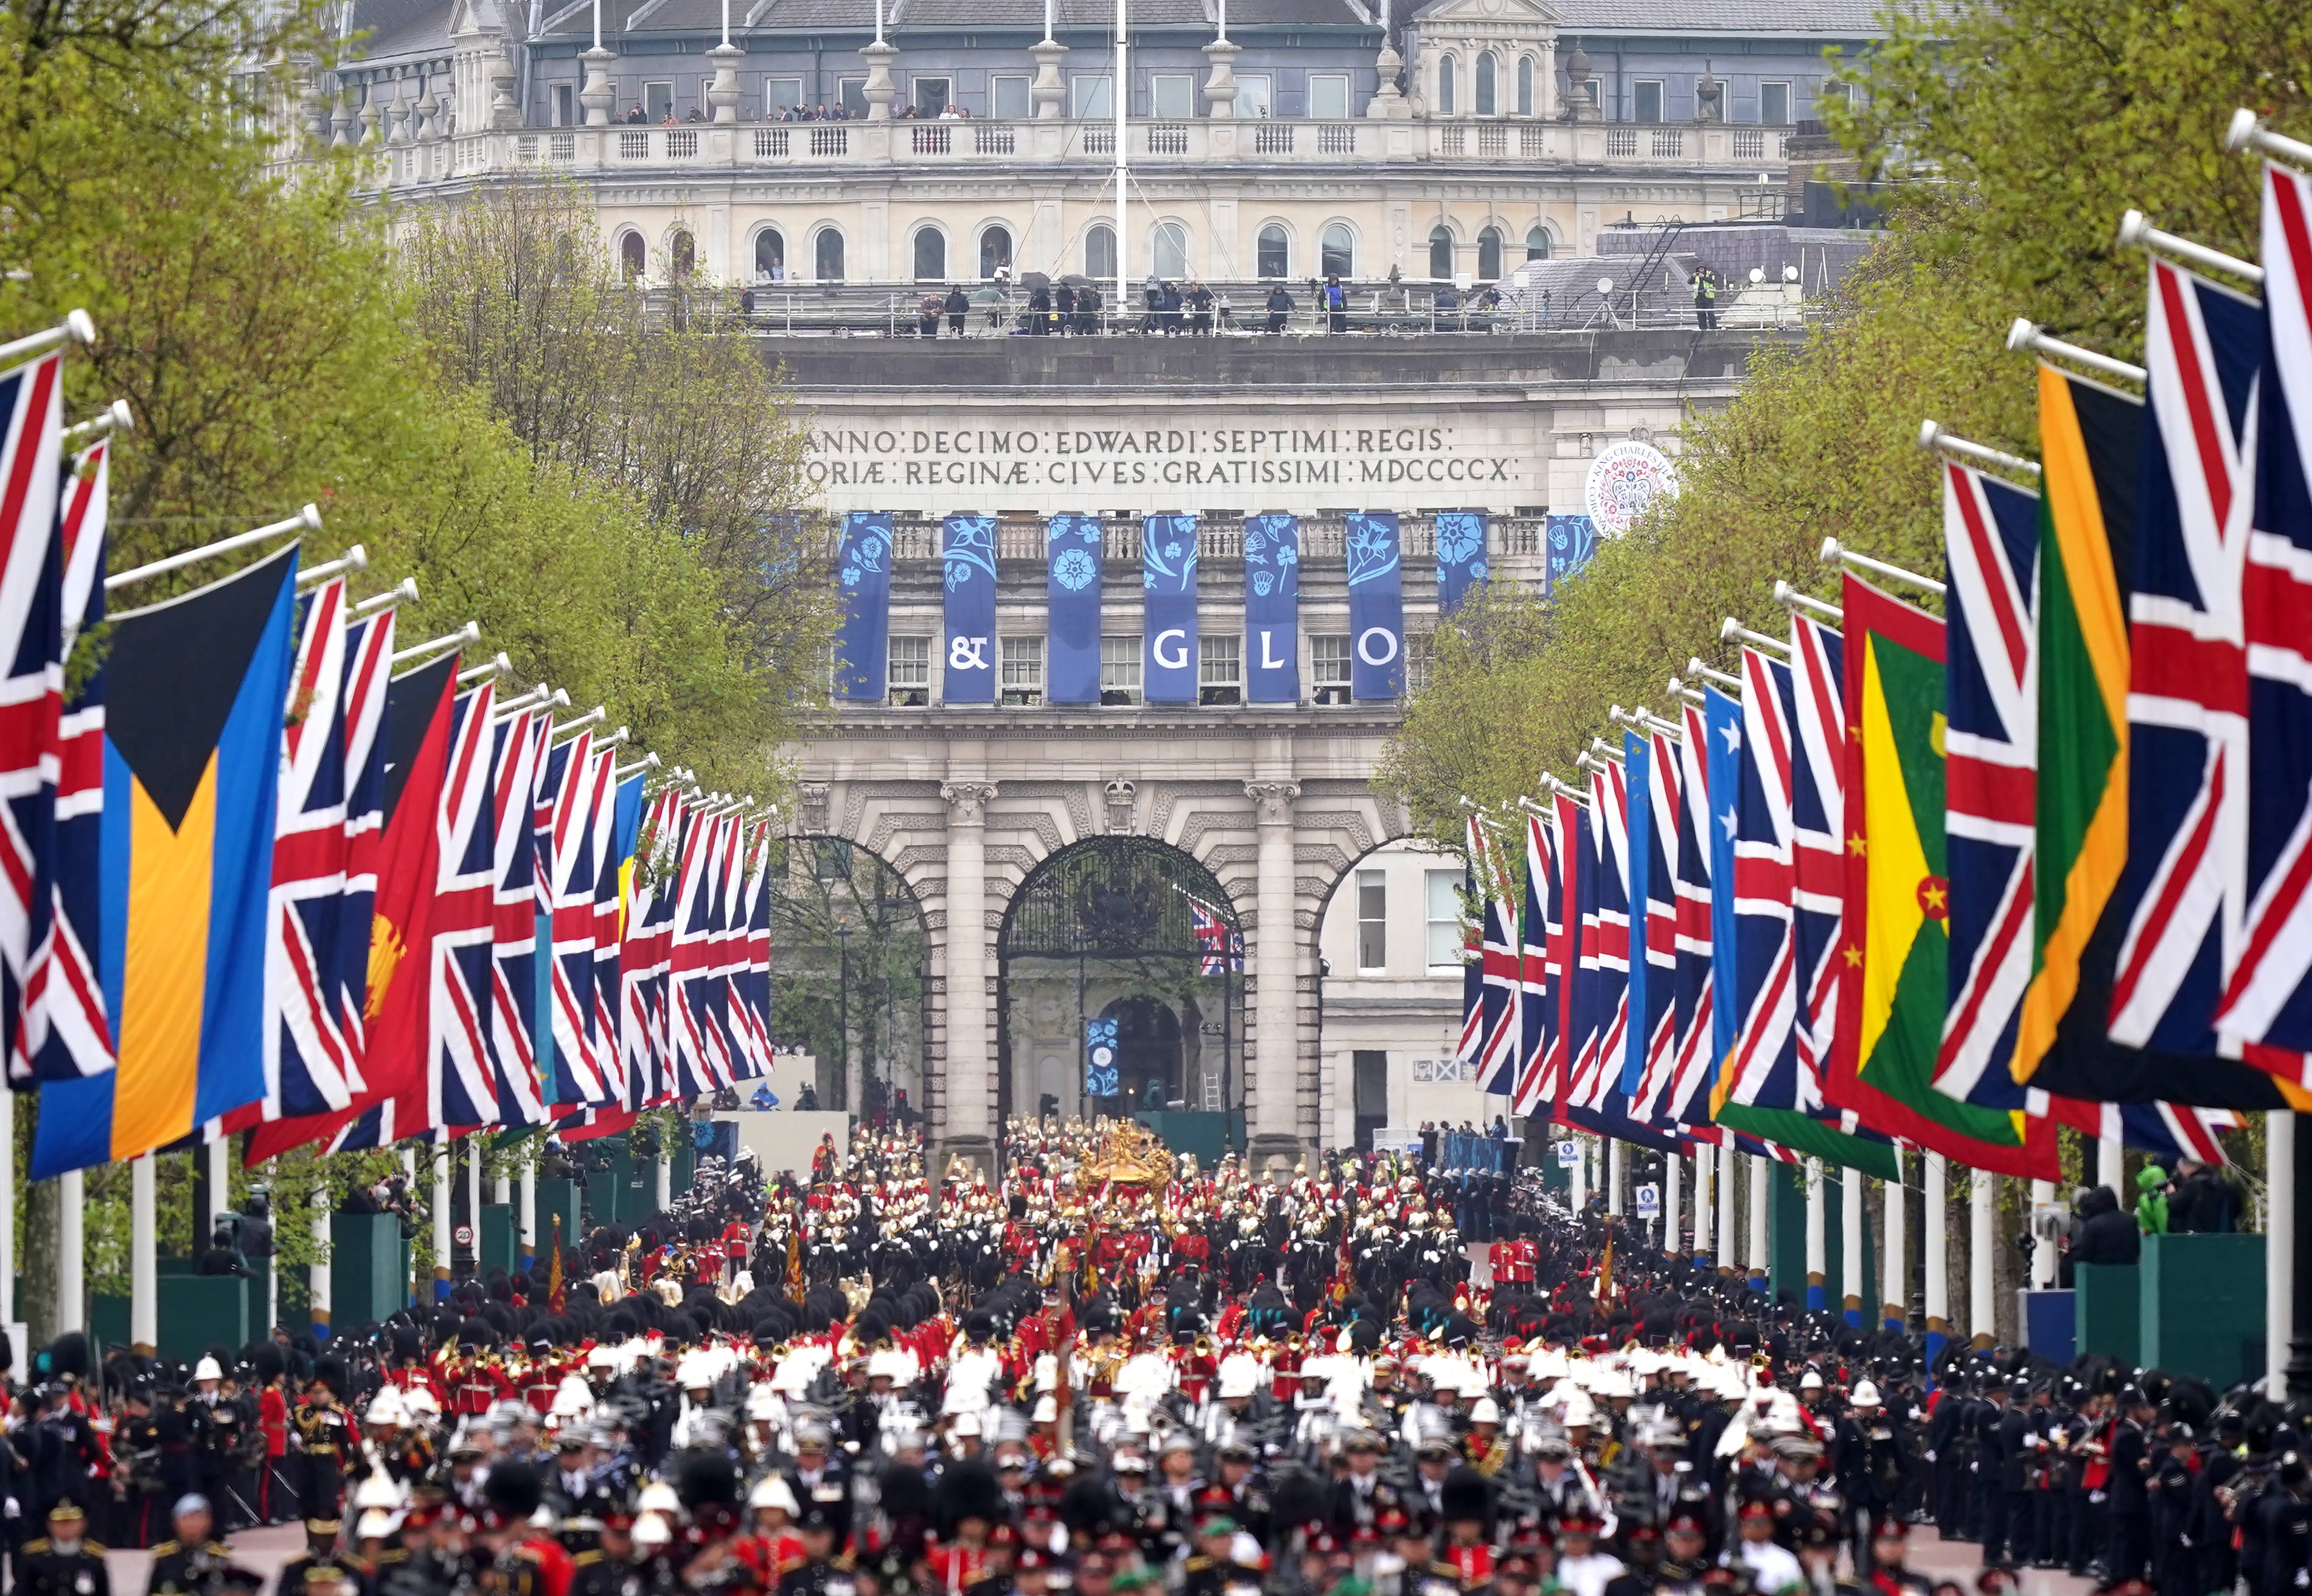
(192, 689)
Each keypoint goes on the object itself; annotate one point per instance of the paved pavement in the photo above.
(1941, 1559)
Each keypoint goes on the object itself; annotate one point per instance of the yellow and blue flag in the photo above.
(193, 690)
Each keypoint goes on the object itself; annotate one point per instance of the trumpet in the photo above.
(1203, 1347)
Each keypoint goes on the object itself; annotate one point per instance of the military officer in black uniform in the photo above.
(63, 1562)
(821, 1572)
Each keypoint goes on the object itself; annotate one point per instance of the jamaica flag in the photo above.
(1896, 987)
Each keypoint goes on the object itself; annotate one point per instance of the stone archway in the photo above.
(1120, 984)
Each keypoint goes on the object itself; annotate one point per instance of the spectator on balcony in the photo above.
(1039, 310)
(1063, 307)
(692, 115)
(958, 308)
(1280, 306)
(1152, 294)
(927, 315)
(1445, 309)
(670, 121)
(637, 117)
(992, 298)
(1087, 311)
(1705, 301)
(1226, 311)
(1200, 309)
(1336, 304)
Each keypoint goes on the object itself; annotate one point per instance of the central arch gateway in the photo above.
(1274, 804)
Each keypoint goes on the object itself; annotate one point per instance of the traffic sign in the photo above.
(1569, 1154)
(1649, 1200)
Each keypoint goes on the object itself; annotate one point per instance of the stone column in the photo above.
(144, 1264)
(597, 96)
(723, 94)
(1047, 93)
(1276, 1067)
(969, 1085)
(1220, 88)
(879, 90)
(318, 1288)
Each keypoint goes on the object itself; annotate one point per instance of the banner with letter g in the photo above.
(1167, 573)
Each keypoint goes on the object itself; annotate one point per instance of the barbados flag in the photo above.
(194, 688)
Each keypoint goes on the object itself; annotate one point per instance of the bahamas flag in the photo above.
(1895, 938)
(194, 689)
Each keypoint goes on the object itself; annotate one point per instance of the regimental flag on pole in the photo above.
(1894, 991)
(31, 705)
(519, 740)
(194, 687)
(2267, 1005)
(1538, 980)
(2184, 885)
(1654, 804)
(330, 815)
(2091, 440)
(1504, 1020)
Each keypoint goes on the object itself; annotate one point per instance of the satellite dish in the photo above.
(1757, 274)
(1605, 285)
(1790, 274)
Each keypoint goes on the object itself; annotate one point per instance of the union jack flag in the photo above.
(519, 740)
(1220, 950)
(1606, 954)
(2184, 890)
(573, 782)
(750, 993)
(1817, 836)
(1504, 1018)
(606, 849)
(643, 961)
(701, 1064)
(1693, 1022)
(1992, 747)
(1762, 1069)
(32, 703)
(2267, 1005)
(1654, 804)
(68, 1032)
(1540, 940)
(728, 949)
(1574, 1054)
(327, 832)
(1471, 1051)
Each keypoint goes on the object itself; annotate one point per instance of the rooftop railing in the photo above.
(1220, 540)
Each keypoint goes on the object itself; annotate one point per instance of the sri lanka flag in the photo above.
(193, 688)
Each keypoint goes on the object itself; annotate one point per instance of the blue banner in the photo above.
(1376, 606)
(1461, 556)
(1272, 608)
(968, 555)
(1071, 550)
(1572, 540)
(862, 640)
(1722, 772)
(1101, 1072)
(1637, 764)
(1168, 571)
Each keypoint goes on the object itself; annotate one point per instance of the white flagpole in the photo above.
(307, 520)
(1123, 166)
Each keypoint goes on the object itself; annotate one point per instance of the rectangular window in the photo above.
(1328, 669)
(932, 95)
(1023, 670)
(1172, 96)
(1119, 669)
(782, 94)
(1328, 96)
(1095, 99)
(1648, 100)
(911, 672)
(1373, 920)
(1445, 919)
(1774, 104)
(1597, 87)
(564, 105)
(1418, 647)
(657, 100)
(1011, 99)
(853, 92)
(1220, 668)
(831, 858)
(1255, 95)
(1369, 1095)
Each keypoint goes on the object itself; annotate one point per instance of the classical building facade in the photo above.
(1269, 139)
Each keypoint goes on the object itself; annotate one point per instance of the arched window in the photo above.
(770, 256)
(1488, 102)
(1524, 86)
(634, 260)
(683, 255)
(995, 250)
(1489, 253)
(1100, 252)
(1169, 250)
(931, 255)
(1537, 243)
(829, 266)
(1440, 251)
(1447, 70)
(1274, 254)
(1340, 252)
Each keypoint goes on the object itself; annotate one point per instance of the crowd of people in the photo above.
(1113, 1371)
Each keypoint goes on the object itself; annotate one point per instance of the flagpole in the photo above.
(1934, 1248)
(76, 329)
(1695, 669)
(1982, 1244)
(1790, 598)
(1850, 1285)
(1730, 1178)
(2136, 233)
(1731, 630)
(355, 558)
(482, 672)
(144, 1271)
(440, 1221)
(1892, 1256)
(1834, 552)
(307, 520)
(593, 717)
(2279, 1248)
(115, 417)
(1935, 441)
(1760, 1174)
(320, 1291)
(72, 1296)
(403, 591)
(8, 1210)
(470, 633)
(528, 1215)
(1818, 1246)
(2026, 337)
